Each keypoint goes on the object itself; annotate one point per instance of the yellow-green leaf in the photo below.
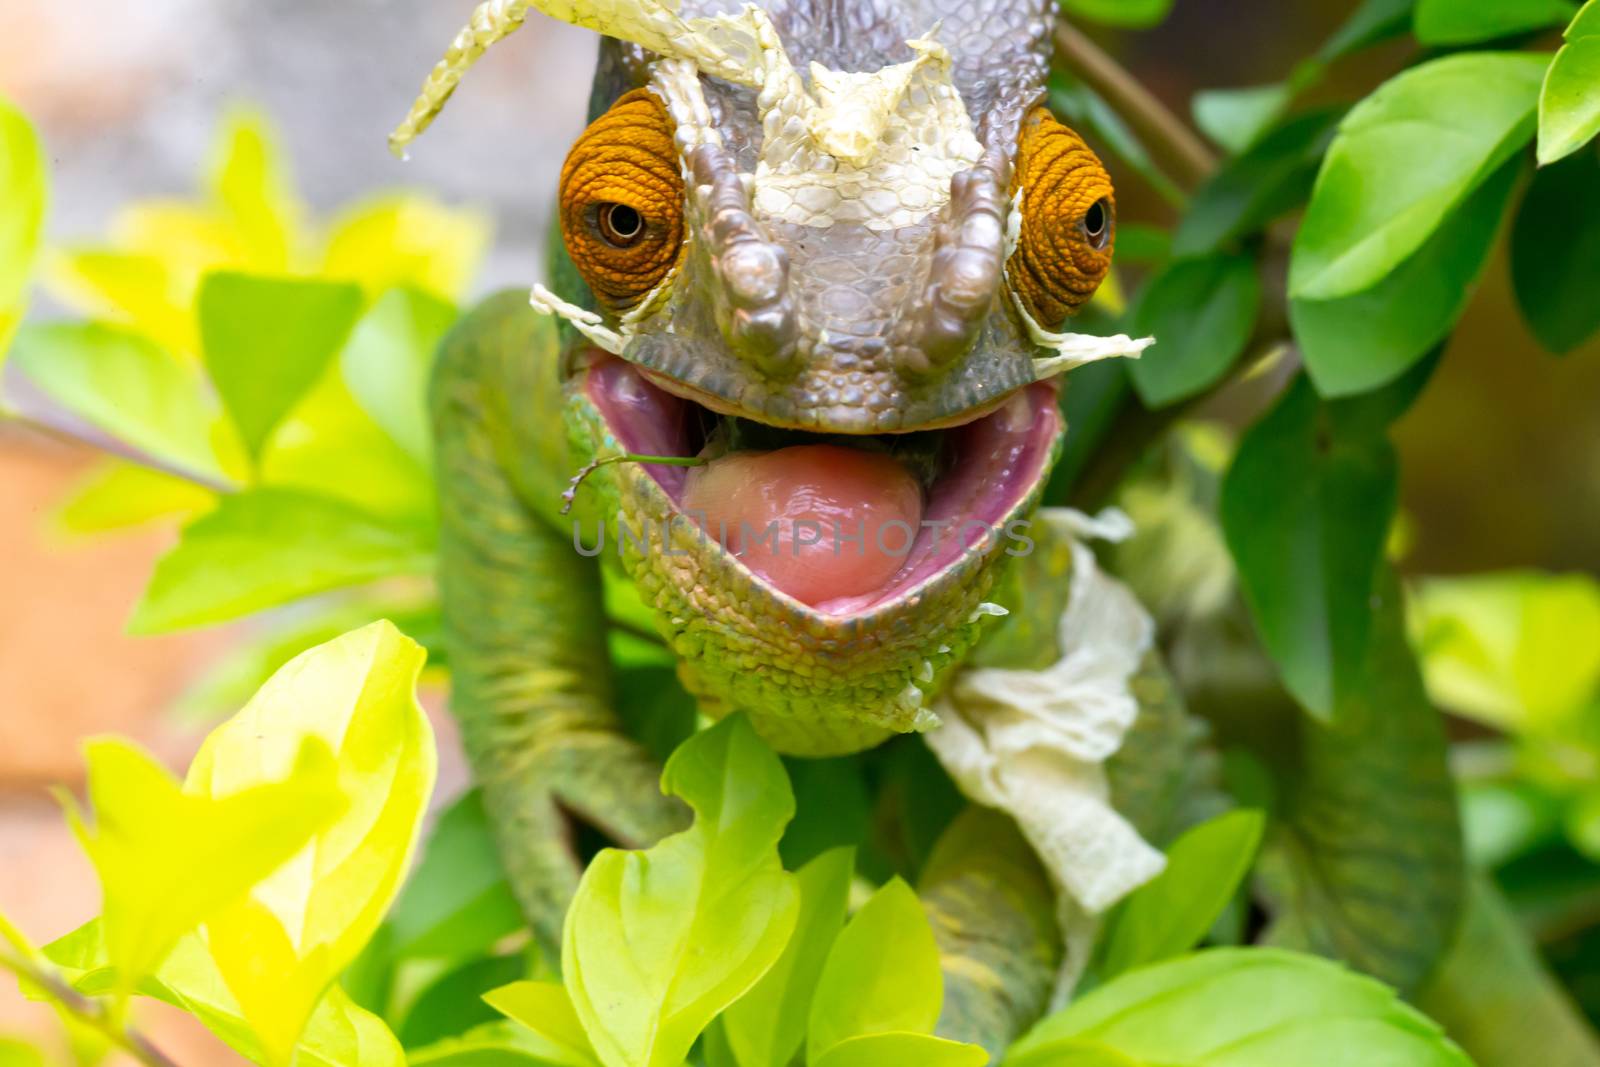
(1569, 101)
(249, 183)
(22, 191)
(281, 946)
(658, 942)
(902, 1050)
(406, 240)
(545, 1009)
(169, 859)
(117, 495)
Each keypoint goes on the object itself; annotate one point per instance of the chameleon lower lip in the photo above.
(996, 462)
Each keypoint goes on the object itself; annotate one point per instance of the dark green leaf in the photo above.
(833, 808)
(457, 903)
(1555, 252)
(1201, 313)
(655, 708)
(1374, 21)
(1403, 158)
(265, 547)
(1139, 14)
(1269, 179)
(1355, 343)
(1569, 107)
(1142, 244)
(1451, 22)
(266, 340)
(1305, 510)
(453, 1004)
(1366, 862)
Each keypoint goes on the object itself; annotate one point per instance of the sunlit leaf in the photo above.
(118, 495)
(546, 1011)
(125, 386)
(132, 289)
(881, 976)
(766, 1026)
(280, 947)
(1555, 252)
(1356, 343)
(453, 1003)
(1246, 1008)
(1569, 107)
(264, 547)
(387, 361)
(502, 1044)
(658, 942)
(169, 859)
(1169, 915)
(1449, 22)
(1305, 509)
(23, 185)
(15, 1053)
(1404, 157)
(250, 185)
(901, 1050)
(267, 340)
(1139, 14)
(407, 240)
(1201, 313)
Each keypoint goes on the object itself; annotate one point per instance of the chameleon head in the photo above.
(840, 291)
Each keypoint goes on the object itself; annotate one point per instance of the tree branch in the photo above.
(88, 1012)
(1164, 133)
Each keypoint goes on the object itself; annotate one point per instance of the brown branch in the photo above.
(1167, 136)
(88, 1012)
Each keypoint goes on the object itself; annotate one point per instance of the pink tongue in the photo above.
(845, 519)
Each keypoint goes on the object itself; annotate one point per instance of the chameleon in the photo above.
(813, 268)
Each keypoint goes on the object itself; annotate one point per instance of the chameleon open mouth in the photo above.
(841, 523)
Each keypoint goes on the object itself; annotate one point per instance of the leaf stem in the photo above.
(1167, 136)
(88, 1012)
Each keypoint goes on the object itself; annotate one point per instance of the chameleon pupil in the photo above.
(620, 225)
(1094, 224)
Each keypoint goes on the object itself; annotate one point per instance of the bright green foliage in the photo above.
(397, 241)
(1242, 1008)
(1403, 158)
(767, 1026)
(388, 359)
(1201, 311)
(281, 946)
(263, 547)
(1133, 13)
(881, 976)
(545, 1009)
(1306, 508)
(901, 1050)
(658, 942)
(1169, 915)
(1355, 343)
(19, 1054)
(169, 859)
(266, 341)
(1235, 118)
(23, 185)
(1569, 105)
(1555, 251)
(118, 495)
(1450, 22)
(501, 1044)
(126, 385)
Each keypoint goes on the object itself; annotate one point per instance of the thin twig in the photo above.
(1164, 133)
(88, 1012)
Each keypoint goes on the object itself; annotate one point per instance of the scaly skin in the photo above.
(789, 319)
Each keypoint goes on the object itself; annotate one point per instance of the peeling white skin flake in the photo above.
(1075, 349)
(585, 322)
(986, 608)
(1034, 743)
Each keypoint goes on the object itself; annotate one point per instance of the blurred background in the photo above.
(1500, 458)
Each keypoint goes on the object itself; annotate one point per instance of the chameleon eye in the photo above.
(622, 201)
(1068, 221)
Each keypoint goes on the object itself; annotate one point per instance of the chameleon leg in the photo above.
(993, 914)
(524, 627)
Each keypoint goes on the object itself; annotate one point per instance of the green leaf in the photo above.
(901, 1050)
(766, 1026)
(545, 1010)
(1235, 118)
(502, 1044)
(15, 1053)
(23, 185)
(881, 976)
(1249, 1007)
(1355, 343)
(392, 241)
(1555, 252)
(1517, 650)
(118, 495)
(1344, 875)
(264, 547)
(1402, 159)
(387, 362)
(453, 1003)
(1170, 915)
(1137, 14)
(656, 943)
(169, 860)
(1271, 177)
(1569, 107)
(124, 385)
(1453, 22)
(457, 903)
(1201, 313)
(281, 946)
(1374, 21)
(266, 341)
(1305, 509)
(249, 182)
(1069, 1052)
